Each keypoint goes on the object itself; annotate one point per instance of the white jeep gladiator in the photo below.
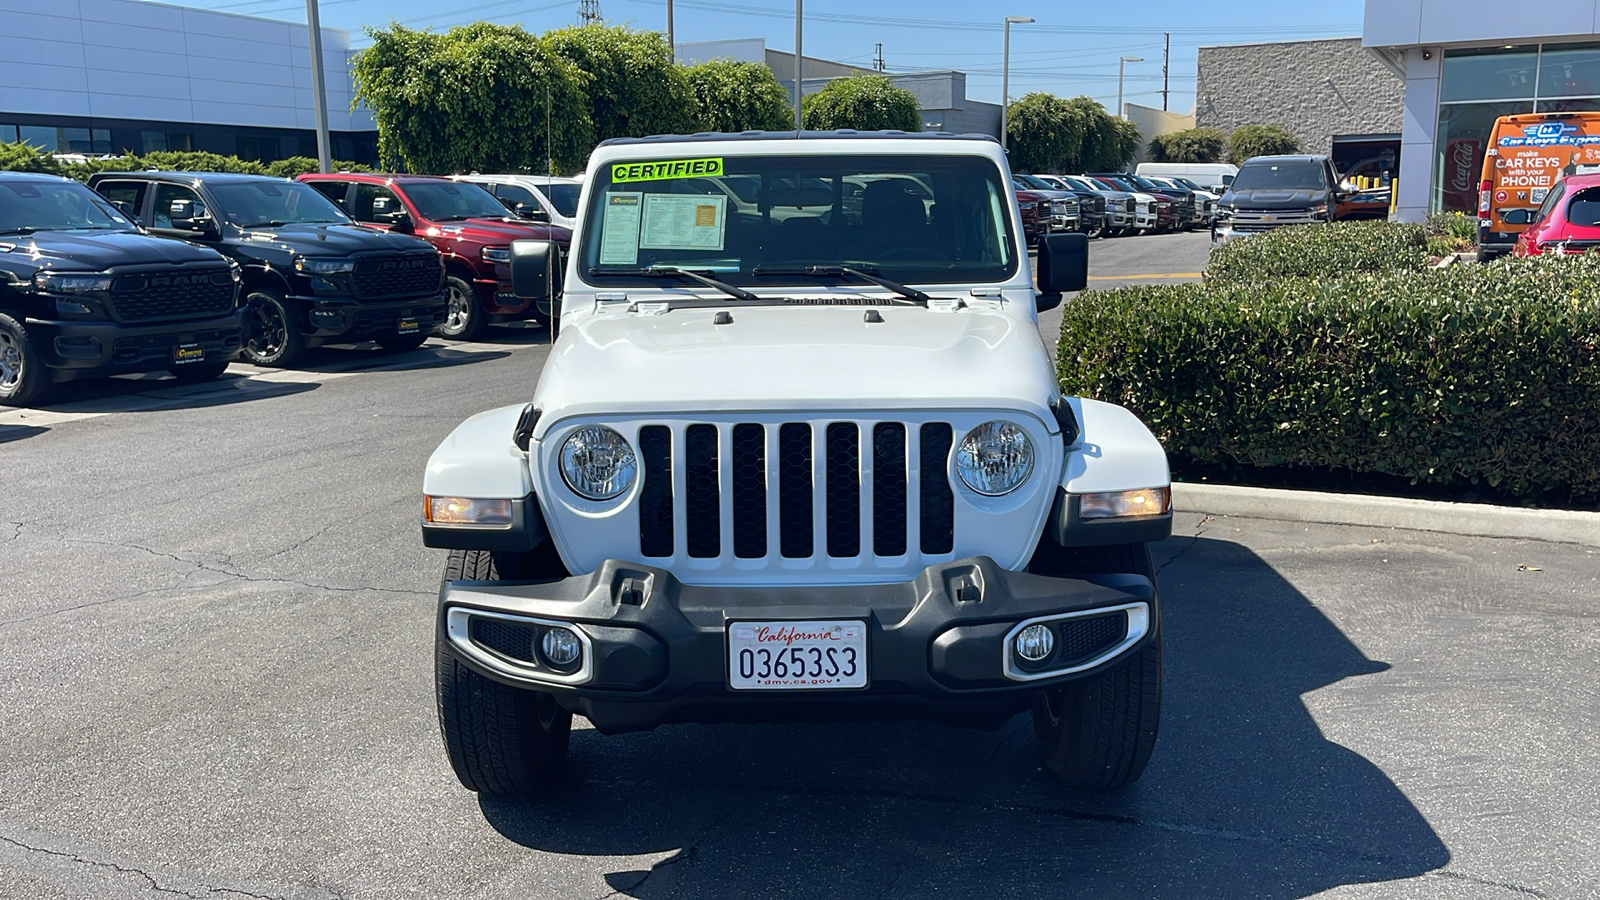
(798, 454)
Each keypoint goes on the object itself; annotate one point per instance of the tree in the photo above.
(1260, 140)
(1109, 143)
(862, 102)
(732, 96)
(291, 166)
(1194, 145)
(482, 97)
(1042, 134)
(634, 87)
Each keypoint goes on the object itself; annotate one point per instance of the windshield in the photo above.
(564, 197)
(1146, 184)
(56, 206)
(940, 219)
(443, 201)
(1083, 184)
(255, 204)
(1035, 182)
(1293, 176)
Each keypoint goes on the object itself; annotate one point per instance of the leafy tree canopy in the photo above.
(862, 102)
(1260, 140)
(1046, 133)
(1194, 145)
(732, 96)
(634, 87)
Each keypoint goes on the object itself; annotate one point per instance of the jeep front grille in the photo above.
(171, 294)
(729, 499)
(396, 275)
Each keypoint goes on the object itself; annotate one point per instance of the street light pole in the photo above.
(672, 45)
(1005, 73)
(797, 66)
(1121, 65)
(319, 95)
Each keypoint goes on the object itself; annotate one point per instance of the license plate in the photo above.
(780, 656)
(188, 353)
(408, 326)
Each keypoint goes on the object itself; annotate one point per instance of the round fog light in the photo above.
(1033, 643)
(560, 646)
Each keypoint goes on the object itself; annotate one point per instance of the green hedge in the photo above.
(1473, 374)
(1320, 251)
(22, 157)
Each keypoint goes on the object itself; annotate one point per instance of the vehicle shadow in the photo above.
(10, 433)
(1244, 797)
(108, 395)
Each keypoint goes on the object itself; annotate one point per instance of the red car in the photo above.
(1568, 221)
(1035, 208)
(471, 229)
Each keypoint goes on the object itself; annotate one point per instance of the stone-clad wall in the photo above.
(1316, 89)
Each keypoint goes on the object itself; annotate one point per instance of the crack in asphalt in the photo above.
(1486, 882)
(894, 877)
(1200, 532)
(1005, 739)
(16, 531)
(148, 878)
(198, 566)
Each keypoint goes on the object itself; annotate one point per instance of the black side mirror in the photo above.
(182, 214)
(400, 222)
(1063, 266)
(533, 212)
(533, 270)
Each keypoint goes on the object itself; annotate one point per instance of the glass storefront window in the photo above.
(39, 136)
(1505, 73)
(1569, 70)
(8, 134)
(1463, 137)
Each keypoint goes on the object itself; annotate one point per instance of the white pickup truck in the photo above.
(798, 454)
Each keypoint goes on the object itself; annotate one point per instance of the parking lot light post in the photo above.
(1122, 65)
(1005, 72)
(319, 96)
(799, 83)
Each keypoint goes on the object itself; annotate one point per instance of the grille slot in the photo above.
(936, 501)
(1085, 638)
(702, 511)
(179, 293)
(395, 275)
(765, 489)
(844, 489)
(889, 489)
(655, 495)
(794, 491)
(749, 491)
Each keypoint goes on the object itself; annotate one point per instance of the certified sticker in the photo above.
(672, 168)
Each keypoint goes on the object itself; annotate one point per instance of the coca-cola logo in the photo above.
(1462, 157)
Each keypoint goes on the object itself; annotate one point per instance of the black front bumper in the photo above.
(327, 318)
(80, 349)
(657, 652)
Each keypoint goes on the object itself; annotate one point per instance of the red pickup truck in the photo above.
(471, 229)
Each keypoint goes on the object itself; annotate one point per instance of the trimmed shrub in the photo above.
(1194, 145)
(1473, 374)
(1320, 251)
(301, 165)
(22, 157)
(1247, 141)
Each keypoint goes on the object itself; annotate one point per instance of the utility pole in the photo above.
(1166, 60)
(319, 94)
(798, 56)
(1005, 72)
(877, 62)
(588, 12)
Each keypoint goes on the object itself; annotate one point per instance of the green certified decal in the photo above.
(672, 168)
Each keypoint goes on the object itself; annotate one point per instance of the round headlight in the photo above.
(995, 458)
(597, 463)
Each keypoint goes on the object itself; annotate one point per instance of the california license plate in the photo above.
(188, 353)
(777, 656)
(408, 326)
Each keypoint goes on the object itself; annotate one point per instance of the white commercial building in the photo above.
(1466, 63)
(102, 76)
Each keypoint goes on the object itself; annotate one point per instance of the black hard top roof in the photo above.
(188, 177)
(1288, 157)
(30, 176)
(708, 136)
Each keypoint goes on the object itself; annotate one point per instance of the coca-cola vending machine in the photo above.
(1463, 161)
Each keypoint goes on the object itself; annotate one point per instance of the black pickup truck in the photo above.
(84, 292)
(311, 275)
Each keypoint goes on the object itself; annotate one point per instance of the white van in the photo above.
(1212, 176)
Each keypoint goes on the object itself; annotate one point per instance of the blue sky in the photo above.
(1072, 49)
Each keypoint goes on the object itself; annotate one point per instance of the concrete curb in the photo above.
(1556, 525)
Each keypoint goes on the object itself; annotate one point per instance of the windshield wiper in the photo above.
(23, 229)
(274, 223)
(738, 293)
(838, 271)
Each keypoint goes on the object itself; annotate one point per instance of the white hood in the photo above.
(796, 358)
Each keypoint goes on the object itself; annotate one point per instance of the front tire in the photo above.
(1098, 732)
(24, 381)
(500, 739)
(271, 335)
(463, 320)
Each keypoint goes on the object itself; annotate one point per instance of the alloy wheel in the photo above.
(264, 329)
(10, 363)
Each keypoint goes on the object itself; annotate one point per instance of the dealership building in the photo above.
(103, 76)
(1467, 62)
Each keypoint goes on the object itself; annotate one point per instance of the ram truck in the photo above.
(799, 459)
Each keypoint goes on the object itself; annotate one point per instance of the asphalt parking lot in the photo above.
(216, 630)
